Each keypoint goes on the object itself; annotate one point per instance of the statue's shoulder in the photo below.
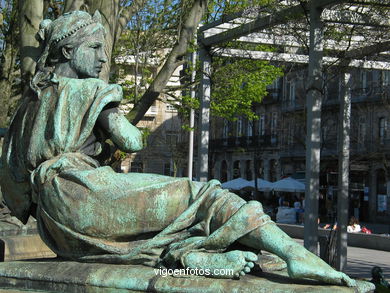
(88, 83)
(90, 86)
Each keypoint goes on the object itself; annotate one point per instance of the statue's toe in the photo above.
(250, 256)
(348, 281)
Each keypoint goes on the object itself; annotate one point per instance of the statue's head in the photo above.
(73, 45)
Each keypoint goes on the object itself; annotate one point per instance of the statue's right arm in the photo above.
(126, 136)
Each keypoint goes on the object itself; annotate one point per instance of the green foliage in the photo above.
(237, 84)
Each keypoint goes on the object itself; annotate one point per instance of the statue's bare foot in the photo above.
(309, 266)
(228, 265)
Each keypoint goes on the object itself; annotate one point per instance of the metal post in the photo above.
(192, 121)
(314, 101)
(343, 178)
(255, 168)
(204, 119)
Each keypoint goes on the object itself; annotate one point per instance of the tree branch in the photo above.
(126, 14)
(179, 50)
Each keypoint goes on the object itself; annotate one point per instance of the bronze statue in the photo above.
(88, 212)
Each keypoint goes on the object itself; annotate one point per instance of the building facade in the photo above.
(165, 142)
(274, 145)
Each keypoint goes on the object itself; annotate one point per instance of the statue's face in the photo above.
(88, 58)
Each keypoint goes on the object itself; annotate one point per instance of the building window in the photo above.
(137, 167)
(363, 79)
(273, 89)
(291, 89)
(274, 123)
(170, 108)
(249, 128)
(171, 137)
(239, 127)
(225, 131)
(385, 78)
(262, 125)
(236, 169)
(248, 170)
(168, 170)
(290, 137)
(224, 171)
(333, 88)
(362, 131)
(382, 129)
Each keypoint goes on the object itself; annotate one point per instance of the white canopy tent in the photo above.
(236, 184)
(288, 185)
(262, 185)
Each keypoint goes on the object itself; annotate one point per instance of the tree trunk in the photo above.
(174, 60)
(31, 15)
(6, 81)
(7, 68)
(313, 126)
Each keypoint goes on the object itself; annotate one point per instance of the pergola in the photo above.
(267, 26)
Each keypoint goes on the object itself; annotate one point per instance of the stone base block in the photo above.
(23, 247)
(66, 276)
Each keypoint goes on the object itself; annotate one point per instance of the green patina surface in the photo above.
(52, 168)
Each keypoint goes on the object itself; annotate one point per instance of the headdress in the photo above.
(52, 32)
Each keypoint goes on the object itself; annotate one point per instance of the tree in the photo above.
(116, 15)
(9, 55)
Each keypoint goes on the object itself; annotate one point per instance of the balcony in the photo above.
(289, 106)
(265, 141)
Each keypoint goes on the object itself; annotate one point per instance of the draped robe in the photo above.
(88, 212)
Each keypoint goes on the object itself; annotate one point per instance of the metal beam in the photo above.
(369, 3)
(256, 25)
(326, 3)
(300, 59)
(262, 22)
(368, 50)
(222, 20)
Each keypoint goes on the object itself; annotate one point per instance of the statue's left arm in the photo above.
(126, 136)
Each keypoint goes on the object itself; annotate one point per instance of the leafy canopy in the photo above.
(237, 84)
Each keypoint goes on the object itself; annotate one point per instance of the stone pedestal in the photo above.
(66, 276)
(23, 247)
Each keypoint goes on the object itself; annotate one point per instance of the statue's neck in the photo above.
(64, 69)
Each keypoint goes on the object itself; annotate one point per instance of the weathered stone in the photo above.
(63, 276)
(11, 226)
(24, 247)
